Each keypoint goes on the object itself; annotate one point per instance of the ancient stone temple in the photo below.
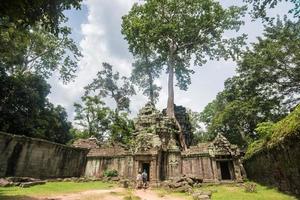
(156, 150)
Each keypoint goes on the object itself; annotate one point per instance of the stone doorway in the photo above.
(225, 170)
(146, 167)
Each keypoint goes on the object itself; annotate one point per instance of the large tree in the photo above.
(39, 51)
(95, 119)
(24, 13)
(25, 109)
(265, 88)
(179, 31)
(146, 69)
(110, 84)
(92, 116)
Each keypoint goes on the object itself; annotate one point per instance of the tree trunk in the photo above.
(170, 105)
(151, 92)
(151, 89)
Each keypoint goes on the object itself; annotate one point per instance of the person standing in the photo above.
(145, 178)
(139, 180)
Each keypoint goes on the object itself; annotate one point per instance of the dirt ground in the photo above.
(112, 194)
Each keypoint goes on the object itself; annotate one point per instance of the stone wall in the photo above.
(278, 166)
(29, 157)
(96, 166)
(201, 167)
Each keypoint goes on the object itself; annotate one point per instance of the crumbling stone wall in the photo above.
(30, 157)
(278, 166)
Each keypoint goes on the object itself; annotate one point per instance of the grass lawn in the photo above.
(232, 192)
(53, 188)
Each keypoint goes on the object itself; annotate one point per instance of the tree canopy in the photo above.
(180, 30)
(40, 52)
(25, 109)
(265, 88)
(34, 45)
(110, 84)
(260, 7)
(99, 120)
(24, 13)
(145, 70)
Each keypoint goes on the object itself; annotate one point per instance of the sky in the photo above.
(96, 28)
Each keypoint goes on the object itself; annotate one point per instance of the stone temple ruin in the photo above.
(156, 149)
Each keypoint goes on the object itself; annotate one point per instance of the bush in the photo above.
(250, 187)
(111, 173)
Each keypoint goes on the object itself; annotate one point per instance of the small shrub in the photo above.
(132, 198)
(111, 173)
(250, 187)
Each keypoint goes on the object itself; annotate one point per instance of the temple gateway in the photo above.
(156, 149)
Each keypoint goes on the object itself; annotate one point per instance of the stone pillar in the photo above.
(237, 170)
(215, 170)
(174, 165)
(153, 170)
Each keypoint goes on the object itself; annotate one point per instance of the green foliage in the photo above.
(260, 7)
(25, 109)
(96, 119)
(265, 88)
(38, 51)
(121, 128)
(145, 70)
(93, 117)
(49, 13)
(111, 173)
(99, 120)
(179, 31)
(250, 187)
(273, 134)
(34, 45)
(199, 135)
(110, 84)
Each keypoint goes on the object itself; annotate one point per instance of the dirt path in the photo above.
(152, 195)
(112, 194)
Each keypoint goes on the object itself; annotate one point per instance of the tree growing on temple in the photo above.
(181, 31)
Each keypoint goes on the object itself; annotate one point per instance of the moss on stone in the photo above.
(272, 134)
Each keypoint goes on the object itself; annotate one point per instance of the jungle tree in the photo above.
(145, 69)
(92, 116)
(266, 87)
(25, 14)
(40, 52)
(179, 31)
(110, 84)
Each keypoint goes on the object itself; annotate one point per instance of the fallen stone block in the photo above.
(29, 184)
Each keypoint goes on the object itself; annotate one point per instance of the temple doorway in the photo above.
(225, 171)
(146, 167)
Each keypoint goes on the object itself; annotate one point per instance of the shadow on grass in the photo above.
(23, 197)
